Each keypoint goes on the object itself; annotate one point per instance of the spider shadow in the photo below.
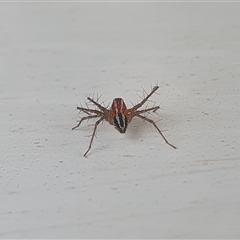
(138, 128)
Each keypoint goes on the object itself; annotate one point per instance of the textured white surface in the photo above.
(53, 55)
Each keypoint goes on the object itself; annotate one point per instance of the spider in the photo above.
(119, 115)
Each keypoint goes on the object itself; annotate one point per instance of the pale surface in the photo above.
(54, 55)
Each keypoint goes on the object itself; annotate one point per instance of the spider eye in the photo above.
(120, 122)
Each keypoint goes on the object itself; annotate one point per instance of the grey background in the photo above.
(54, 55)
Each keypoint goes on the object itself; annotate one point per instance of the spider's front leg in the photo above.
(154, 109)
(98, 105)
(134, 108)
(88, 111)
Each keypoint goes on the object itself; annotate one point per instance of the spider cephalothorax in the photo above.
(119, 115)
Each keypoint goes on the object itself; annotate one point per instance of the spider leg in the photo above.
(94, 131)
(97, 104)
(134, 108)
(87, 110)
(84, 118)
(154, 109)
(154, 124)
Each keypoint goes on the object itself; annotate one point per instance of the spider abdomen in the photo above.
(120, 122)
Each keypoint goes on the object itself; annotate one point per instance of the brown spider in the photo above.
(119, 116)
